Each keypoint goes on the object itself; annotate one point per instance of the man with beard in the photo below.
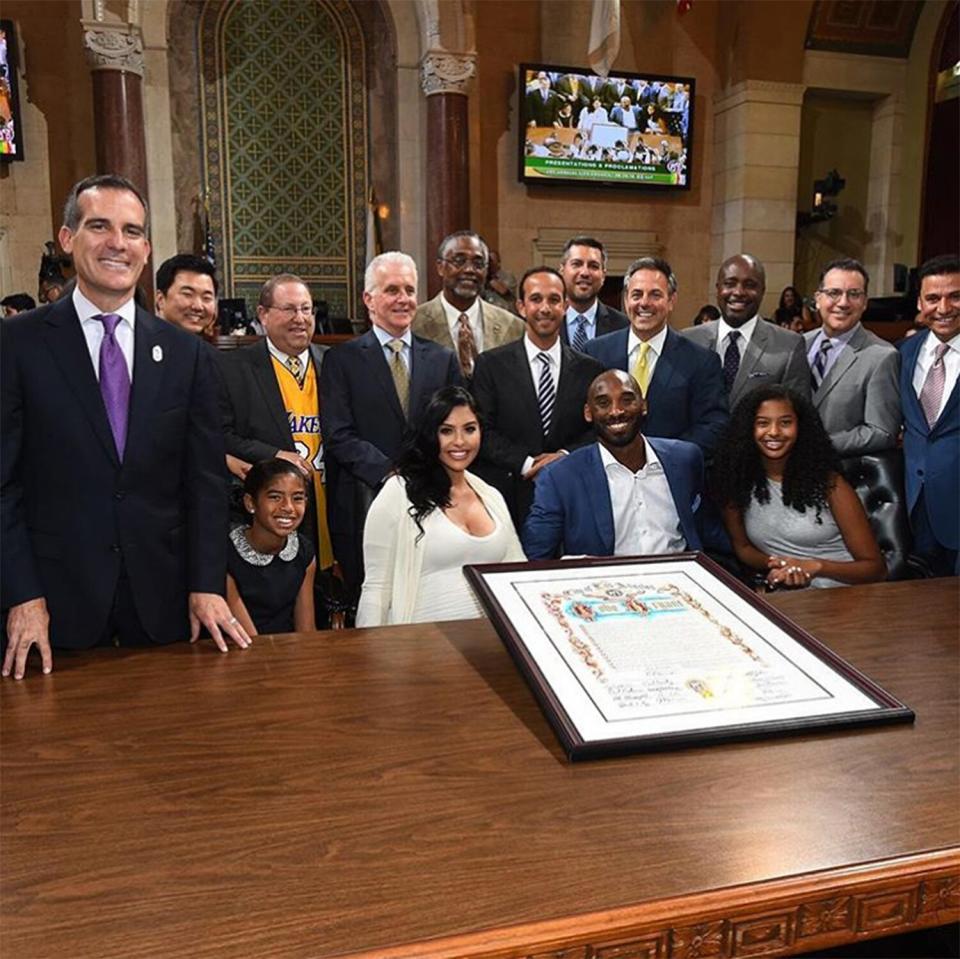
(626, 494)
(583, 266)
(457, 317)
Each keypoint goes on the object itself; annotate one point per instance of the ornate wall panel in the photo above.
(283, 103)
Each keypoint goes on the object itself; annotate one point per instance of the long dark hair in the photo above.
(418, 462)
(813, 464)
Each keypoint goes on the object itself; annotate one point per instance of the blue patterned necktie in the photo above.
(580, 333)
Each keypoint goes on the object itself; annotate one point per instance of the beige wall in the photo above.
(835, 134)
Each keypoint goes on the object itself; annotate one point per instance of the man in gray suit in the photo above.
(753, 351)
(457, 317)
(854, 374)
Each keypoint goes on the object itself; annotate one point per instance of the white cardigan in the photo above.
(393, 558)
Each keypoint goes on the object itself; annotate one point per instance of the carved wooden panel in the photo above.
(647, 947)
(698, 942)
(891, 909)
(765, 936)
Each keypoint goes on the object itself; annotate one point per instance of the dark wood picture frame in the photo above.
(889, 709)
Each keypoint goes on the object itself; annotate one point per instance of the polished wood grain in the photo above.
(398, 793)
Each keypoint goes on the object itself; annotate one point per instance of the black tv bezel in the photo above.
(663, 189)
(13, 62)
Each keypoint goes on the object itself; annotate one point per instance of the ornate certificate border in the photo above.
(631, 655)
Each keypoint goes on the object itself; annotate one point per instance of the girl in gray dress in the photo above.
(788, 510)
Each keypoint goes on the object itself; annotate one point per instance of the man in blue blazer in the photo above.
(626, 494)
(362, 414)
(931, 415)
(113, 500)
(681, 381)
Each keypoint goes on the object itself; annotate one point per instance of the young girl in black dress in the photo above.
(270, 565)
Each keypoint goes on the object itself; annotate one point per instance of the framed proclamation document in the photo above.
(641, 654)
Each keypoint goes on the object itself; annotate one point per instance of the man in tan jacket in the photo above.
(457, 317)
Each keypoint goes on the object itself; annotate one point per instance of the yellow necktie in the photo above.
(641, 369)
(294, 366)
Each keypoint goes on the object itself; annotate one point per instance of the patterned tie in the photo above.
(400, 374)
(641, 369)
(114, 381)
(819, 369)
(731, 360)
(546, 394)
(294, 365)
(580, 333)
(932, 392)
(466, 345)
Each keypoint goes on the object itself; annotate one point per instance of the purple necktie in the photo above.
(114, 380)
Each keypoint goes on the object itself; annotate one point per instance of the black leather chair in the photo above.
(878, 480)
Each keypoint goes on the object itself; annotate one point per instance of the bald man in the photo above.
(626, 494)
(753, 351)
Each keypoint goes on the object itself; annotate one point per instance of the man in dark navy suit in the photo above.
(583, 266)
(371, 389)
(681, 381)
(625, 495)
(930, 397)
(113, 498)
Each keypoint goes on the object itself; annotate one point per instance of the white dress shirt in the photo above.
(645, 520)
(653, 354)
(473, 318)
(724, 329)
(951, 365)
(590, 315)
(93, 330)
(384, 339)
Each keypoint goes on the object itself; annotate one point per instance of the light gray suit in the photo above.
(499, 326)
(773, 355)
(859, 398)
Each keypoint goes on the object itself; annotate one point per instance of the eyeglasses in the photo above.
(291, 311)
(854, 296)
(461, 260)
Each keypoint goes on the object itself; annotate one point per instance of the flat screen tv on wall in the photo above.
(631, 129)
(11, 126)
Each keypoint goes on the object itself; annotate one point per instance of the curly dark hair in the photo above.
(418, 462)
(738, 472)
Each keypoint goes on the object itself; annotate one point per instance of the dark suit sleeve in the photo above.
(17, 568)
(543, 530)
(234, 397)
(205, 482)
(341, 439)
(496, 446)
(797, 374)
(707, 405)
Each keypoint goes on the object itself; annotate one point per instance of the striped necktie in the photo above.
(819, 369)
(546, 393)
(580, 333)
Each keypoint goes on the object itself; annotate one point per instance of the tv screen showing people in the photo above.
(629, 129)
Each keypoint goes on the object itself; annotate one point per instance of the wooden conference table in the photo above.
(397, 792)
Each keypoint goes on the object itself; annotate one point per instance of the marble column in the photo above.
(115, 55)
(444, 78)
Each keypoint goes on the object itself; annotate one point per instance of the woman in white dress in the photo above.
(430, 519)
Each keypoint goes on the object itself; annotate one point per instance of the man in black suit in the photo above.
(542, 104)
(532, 393)
(113, 496)
(257, 423)
(371, 390)
(583, 266)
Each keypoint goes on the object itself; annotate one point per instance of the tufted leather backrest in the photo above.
(878, 480)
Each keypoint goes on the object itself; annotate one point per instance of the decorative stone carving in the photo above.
(447, 72)
(118, 48)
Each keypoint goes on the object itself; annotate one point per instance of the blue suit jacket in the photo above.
(932, 455)
(686, 399)
(572, 512)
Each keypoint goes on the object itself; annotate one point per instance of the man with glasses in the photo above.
(270, 400)
(457, 317)
(853, 373)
